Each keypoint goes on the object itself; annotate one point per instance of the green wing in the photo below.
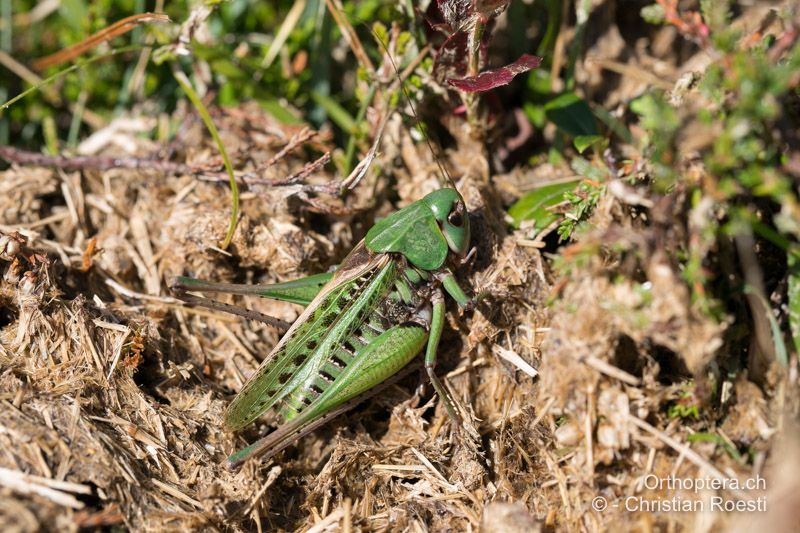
(413, 232)
(378, 363)
(310, 342)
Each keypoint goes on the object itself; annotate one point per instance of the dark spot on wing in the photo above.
(359, 335)
(348, 347)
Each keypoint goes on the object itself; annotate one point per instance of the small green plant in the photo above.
(582, 202)
(685, 407)
(740, 121)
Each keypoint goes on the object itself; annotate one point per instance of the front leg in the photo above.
(455, 291)
(437, 324)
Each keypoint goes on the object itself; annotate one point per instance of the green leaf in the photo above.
(582, 142)
(614, 124)
(535, 114)
(539, 84)
(536, 204)
(653, 14)
(75, 13)
(585, 168)
(380, 33)
(657, 115)
(572, 115)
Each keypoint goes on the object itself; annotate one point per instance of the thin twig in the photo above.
(172, 491)
(299, 138)
(274, 472)
(350, 35)
(611, 370)
(23, 157)
(106, 34)
(515, 359)
(251, 178)
(289, 23)
(100, 163)
(44, 487)
(632, 71)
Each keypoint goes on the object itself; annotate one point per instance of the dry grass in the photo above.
(112, 391)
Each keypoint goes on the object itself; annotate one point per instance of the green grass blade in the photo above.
(719, 441)
(186, 85)
(62, 73)
(794, 300)
(777, 335)
(338, 114)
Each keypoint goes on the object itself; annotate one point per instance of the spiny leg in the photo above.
(437, 325)
(234, 310)
(300, 291)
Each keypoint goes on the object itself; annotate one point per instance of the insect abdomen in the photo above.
(344, 339)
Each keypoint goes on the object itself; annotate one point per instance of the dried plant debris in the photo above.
(114, 391)
(588, 375)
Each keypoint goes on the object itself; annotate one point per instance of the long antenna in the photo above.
(448, 178)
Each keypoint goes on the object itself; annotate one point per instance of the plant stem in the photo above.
(471, 100)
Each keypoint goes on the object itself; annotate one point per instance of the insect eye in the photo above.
(456, 216)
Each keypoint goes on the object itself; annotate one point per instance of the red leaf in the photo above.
(490, 79)
(451, 57)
